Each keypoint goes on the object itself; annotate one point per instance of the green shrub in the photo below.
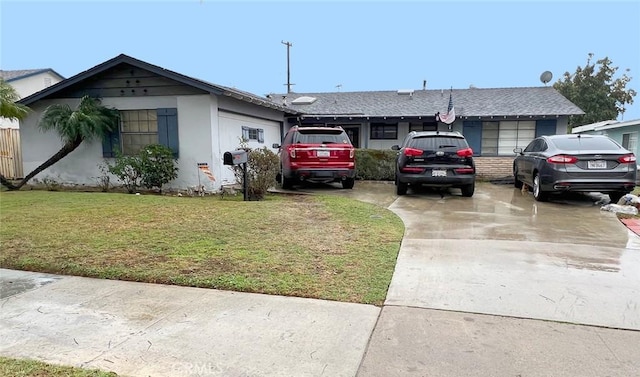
(262, 167)
(152, 167)
(127, 170)
(157, 166)
(375, 164)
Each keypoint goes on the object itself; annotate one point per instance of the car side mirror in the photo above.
(275, 145)
(517, 150)
(395, 147)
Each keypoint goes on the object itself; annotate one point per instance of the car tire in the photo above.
(538, 194)
(615, 196)
(468, 190)
(401, 188)
(348, 183)
(516, 182)
(287, 183)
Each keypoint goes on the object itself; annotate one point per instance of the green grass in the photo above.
(31, 368)
(325, 247)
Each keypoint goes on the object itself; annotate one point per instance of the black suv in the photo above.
(316, 154)
(436, 159)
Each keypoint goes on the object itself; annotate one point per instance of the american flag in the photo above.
(450, 116)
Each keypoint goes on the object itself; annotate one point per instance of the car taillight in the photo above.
(412, 152)
(562, 159)
(352, 152)
(467, 152)
(465, 170)
(411, 169)
(627, 158)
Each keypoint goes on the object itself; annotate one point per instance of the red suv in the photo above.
(316, 154)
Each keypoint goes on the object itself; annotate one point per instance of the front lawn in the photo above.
(31, 368)
(325, 247)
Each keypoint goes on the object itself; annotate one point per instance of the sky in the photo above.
(335, 45)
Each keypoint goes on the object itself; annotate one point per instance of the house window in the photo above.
(256, 134)
(423, 126)
(630, 141)
(489, 144)
(514, 134)
(138, 128)
(500, 138)
(384, 131)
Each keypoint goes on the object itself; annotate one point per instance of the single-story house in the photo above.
(624, 132)
(494, 121)
(198, 120)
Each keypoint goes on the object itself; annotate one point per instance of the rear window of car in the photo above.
(434, 143)
(586, 143)
(328, 136)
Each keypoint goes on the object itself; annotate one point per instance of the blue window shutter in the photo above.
(111, 143)
(245, 133)
(472, 131)
(168, 129)
(260, 135)
(545, 127)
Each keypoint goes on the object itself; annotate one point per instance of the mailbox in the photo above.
(235, 157)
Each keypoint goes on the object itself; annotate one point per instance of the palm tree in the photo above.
(8, 107)
(89, 121)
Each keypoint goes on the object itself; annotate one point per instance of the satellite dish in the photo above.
(545, 77)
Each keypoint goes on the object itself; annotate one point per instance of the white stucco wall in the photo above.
(231, 131)
(204, 134)
(26, 87)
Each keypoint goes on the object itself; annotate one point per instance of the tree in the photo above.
(596, 92)
(8, 107)
(89, 121)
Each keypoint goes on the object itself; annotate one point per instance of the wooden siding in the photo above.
(127, 81)
(10, 155)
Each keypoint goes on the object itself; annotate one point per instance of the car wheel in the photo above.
(468, 190)
(348, 183)
(615, 196)
(516, 182)
(538, 194)
(401, 188)
(287, 183)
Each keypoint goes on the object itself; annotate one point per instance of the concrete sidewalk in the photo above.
(137, 329)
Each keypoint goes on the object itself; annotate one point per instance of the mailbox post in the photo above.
(238, 157)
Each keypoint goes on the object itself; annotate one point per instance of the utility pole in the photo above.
(288, 44)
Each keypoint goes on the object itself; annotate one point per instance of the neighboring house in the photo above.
(494, 121)
(624, 132)
(26, 82)
(198, 120)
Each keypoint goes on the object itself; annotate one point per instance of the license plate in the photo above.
(597, 164)
(438, 173)
(323, 153)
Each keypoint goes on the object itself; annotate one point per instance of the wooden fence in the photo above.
(10, 154)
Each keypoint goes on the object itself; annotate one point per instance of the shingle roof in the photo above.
(467, 102)
(22, 73)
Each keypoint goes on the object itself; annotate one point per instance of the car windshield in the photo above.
(328, 136)
(433, 143)
(586, 143)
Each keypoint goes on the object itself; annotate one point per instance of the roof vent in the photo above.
(304, 100)
(405, 92)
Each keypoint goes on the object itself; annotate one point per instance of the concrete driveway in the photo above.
(499, 284)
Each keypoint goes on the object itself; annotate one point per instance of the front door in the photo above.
(354, 135)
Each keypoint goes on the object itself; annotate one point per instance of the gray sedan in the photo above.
(575, 163)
